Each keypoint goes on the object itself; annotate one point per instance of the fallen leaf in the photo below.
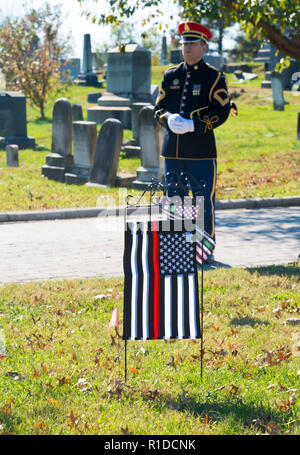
(63, 380)
(53, 402)
(126, 430)
(74, 419)
(133, 370)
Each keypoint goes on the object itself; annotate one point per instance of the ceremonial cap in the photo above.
(192, 31)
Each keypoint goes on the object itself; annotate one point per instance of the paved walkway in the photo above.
(91, 247)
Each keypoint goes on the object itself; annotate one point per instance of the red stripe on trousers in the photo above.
(156, 282)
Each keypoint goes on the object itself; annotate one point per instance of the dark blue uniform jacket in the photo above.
(197, 92)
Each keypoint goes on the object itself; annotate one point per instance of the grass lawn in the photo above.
(258, 154)
(62, 370)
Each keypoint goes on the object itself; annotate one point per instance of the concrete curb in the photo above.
(65, 214)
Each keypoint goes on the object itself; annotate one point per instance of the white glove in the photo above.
(180, 125)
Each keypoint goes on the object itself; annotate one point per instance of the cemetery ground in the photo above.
(258, 154)
(62, 369)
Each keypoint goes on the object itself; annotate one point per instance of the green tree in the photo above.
(276, 20)
(245, 48)
(31, 53)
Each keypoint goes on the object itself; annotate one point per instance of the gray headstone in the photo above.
(150, 138)
(176, 56)
(62, 127)
(87, 64)
(84, 139)
(213, 60)
(135, 112)
(13, 123)
(164, 52)
(106, 161)
(87, 76)
(277, 91)
(12, 155)
(129, 73)
(77, 114)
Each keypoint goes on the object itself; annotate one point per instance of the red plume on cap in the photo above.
(192, 31)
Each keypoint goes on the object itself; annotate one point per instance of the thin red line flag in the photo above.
(161, 298)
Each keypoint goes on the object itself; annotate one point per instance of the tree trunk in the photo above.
(288, 47)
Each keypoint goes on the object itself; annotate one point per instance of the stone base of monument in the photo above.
(56, 166)
(23, 142)
(122, 180)
(93, 97)
(54, 173)
(111, 106)
(132, 151)
(75, 179)
(89, 80)
(78, 175)
(99, 114)
(145, 176)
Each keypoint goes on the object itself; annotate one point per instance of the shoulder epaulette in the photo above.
(212, 67)
(174, 67)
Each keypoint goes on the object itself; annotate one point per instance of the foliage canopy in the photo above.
(31, 54)
(276, 20)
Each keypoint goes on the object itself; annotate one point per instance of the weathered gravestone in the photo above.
(13, 123)
(108, 148)
(60, 160)
(128, 81)
(277, 91)
(176, 56)
(164, 51)
(84, 140)
(77, 114)
(151, 137)
(87, 76)
(12, 155)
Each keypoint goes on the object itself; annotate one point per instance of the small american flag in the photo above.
(161, 298)
(188, 210)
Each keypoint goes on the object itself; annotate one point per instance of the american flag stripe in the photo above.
(156, 305)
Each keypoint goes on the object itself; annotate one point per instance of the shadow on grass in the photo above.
(292, 270)
(41, 121)
(217, 411)
(247, 320)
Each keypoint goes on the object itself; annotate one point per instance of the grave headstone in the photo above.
(84, 140)
(213, 60)
(77, 114)
(13, 122)
(128, 81)
(151, 138)
(176, 56)
(164, 51)
(135, 112)
(108, 148)
(70, 69)
(12, 155)
(93, 97)
(87, 76)
(277, 91)
(59, 161)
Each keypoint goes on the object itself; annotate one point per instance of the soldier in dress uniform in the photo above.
(193, 101)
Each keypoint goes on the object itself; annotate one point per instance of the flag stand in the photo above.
(147, 208)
